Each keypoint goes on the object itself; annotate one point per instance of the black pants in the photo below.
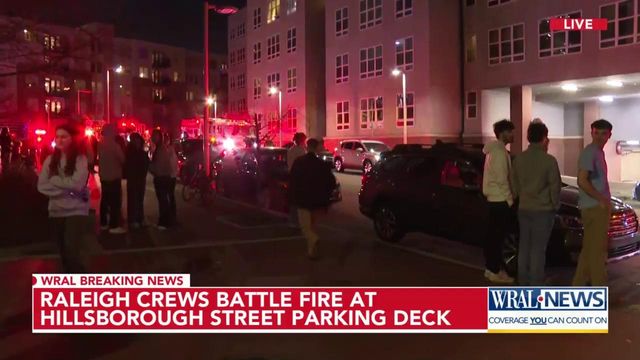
(135, 200)
(500, 213)
(111, 203)
(165, 192)
(68, 232)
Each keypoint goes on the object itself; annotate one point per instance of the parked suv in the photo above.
(358, 154)
(437, 190)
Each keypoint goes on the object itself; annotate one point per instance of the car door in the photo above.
(359, 154)
(419, 186)
(345, 152)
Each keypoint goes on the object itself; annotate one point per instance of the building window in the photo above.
(257, 89)
(404, 8)
(232, 57)
(342, 115)
(232, 82)
(342, 21)
(242, 105)
(176, 76)
(370, 13)
(241, 30)
(506, 44)
(143, 72)
(158, 94)
(274, 11)
(291, 119)
(292, 6)
(51, 42)
(472, 48)
(471, 105)
(189, 96)
(404, 53)
(371, 62)
(273, 81)
(621, 20)
(257, 18)
(273, 47)
(410, 110)
(563, 42)
(53, 106)
(342, 68)
(491, 3)
(51, 85)
(371, 112)
(232, 33)
(241, 56)
(242, 81)
(291, 40)
(292, 80)
(257, 53)
(28, 35)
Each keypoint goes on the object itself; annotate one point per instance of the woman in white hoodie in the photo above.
(63, 179)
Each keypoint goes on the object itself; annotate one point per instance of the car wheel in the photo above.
(387, 224)
(338, 165)
(367, 166)
(510, 254)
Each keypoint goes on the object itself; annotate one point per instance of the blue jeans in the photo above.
(535, 230)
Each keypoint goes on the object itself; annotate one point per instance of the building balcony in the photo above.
(162, 63)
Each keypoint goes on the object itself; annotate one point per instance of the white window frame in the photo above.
(343, 118)
(257, 53)
(273, 47)
(496, 3)
(257, 89)
(273, 80)
(369, 74)
(371, 117)
(241, 30)
(374, 21)
(273, 11)
(257, 18)
(292, 40)
(511, 41)
(242, 81)
(292, 6)
(635, 36)
(292, 80)
(406, 11)
(468, 106)
(342, 21)
(342, 68)
(551, 33)
(241, 57)
(291, 117)
(411, 110)
(404, 52)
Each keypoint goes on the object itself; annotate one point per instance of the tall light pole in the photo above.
(398, 72)
(118, 69)
(206, 144)
(274, 90)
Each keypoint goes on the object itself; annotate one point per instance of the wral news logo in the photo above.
(566, 299)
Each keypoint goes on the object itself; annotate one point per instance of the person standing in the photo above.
(5, 148)
(496, 187)
(311, 185)
(111, 159)
(161, 170)
(173, 176)
(595, 207)
(297, 150)
(136, 167)
(63, 180)
(536, 183)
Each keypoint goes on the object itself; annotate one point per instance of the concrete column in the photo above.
(591, 114)
(521, 100)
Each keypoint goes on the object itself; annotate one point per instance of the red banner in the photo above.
(565, 24)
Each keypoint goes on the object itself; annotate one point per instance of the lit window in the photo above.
(404, 8)
(155, 76)
(292, 6)
(291, 120)
(158, 94)
(257, 53)
(371, 62)
(472, 48)
(410, 110)
(144, 72)
(342, 21)
(274, 11)
(491, 3)
(291, 40)
(53, 106)
(471, 105)
(176, 76)
(257, 89)
(28, 35)
(273, 80)
(553, 43)
(257, 18)
(621, 19)
(342, 115)
(370, 13)
(292, 80)
(52, 85)
(342, 68)
(371, 112)
(404, 53)
(190, 96)
(273, 47)
(506, 44)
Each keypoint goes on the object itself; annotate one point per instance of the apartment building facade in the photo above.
(284, 50)
(517, 68)
(365, 41)
(237, 60)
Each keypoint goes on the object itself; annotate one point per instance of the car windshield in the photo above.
(375, 147)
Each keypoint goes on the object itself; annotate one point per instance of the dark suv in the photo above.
(438, 190)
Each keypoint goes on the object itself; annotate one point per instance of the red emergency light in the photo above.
(41, 132)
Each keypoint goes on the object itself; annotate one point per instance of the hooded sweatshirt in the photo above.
(68, 195)
(496, 181)
(110, 155)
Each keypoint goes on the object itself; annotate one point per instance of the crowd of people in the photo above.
(533, 181)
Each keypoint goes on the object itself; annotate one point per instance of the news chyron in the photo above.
(552, 309)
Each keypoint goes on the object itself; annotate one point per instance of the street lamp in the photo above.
(397, 72)
(213, 101)
(118, 69)
(274, 90)
(222, 10)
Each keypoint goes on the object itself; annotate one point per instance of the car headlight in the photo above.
(571, 222)
(324, 157)
(377, 157)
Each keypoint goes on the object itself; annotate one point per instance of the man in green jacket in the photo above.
(537, 183)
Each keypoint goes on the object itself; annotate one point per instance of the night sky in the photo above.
(173, 22)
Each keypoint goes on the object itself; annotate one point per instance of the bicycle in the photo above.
(198, 185)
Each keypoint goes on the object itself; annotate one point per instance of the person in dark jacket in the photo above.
(5, 148)
(311, 185)
(135, 169)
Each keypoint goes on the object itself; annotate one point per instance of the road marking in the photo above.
(430, 255)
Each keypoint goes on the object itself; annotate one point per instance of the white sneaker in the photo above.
(500, 277)
(117, 231)
(162, 228)
(104, 227)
